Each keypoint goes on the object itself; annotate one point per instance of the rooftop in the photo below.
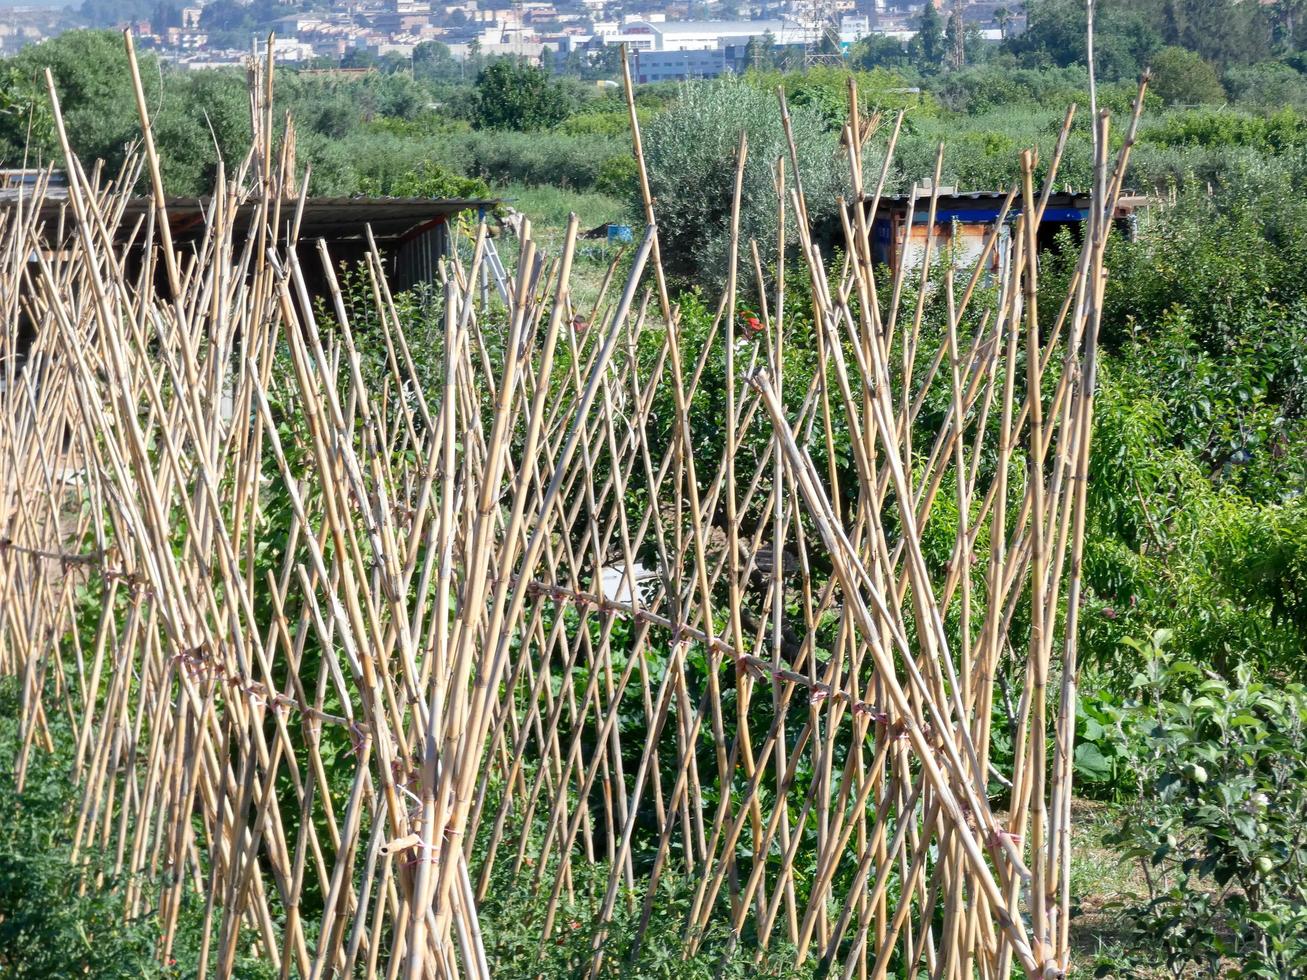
(329, 218)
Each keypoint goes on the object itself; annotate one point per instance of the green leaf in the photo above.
(1091, 764)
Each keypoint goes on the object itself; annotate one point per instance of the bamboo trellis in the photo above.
(521, 612)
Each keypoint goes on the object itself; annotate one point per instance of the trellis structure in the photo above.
(344, 629)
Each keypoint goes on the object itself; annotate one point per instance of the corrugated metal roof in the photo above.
(954, 198)
(331, 218)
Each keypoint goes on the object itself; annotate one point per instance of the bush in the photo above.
(512, 94)
(424, 180)
(1217, 830)
(1277, 132)
(573, 162)
(986, 87)
(619, 176)
(604, 122)
(1181, 76)
(1272, 84)
(691, 153)
(825, 90)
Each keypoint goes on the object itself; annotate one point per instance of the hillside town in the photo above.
(669, 41)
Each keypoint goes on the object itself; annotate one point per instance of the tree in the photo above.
(511, 94)
(90, 73)
(433, 62)
(1002, 17)
(879, 51)
(605, 62)
(1227, 32)
(1181, 76)
(955, 34)
(1271, 84)
(1126, 33)
(929, 42)
(760, 53)
(691, 150)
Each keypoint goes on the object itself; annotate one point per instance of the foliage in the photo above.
(691, 152)
(572, 162)
(433, 61)
(984, 87)
(1270, 84)
(1277, 132)
(1180, 75)
(519, 96)
(880, 51)
(511, 924)
(51, 925)
(928, 46)
(89, 69)
(1218, 829)
(425, 180)
(825, 90)
(1126, 33)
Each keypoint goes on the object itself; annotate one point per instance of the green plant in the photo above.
(1219, 830)
(1182, 76)
(512, 94)
(691, 152)
(59, 919)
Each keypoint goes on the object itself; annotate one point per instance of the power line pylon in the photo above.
(959, 35)
(821, 20)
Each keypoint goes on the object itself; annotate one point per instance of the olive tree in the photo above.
(691, 152)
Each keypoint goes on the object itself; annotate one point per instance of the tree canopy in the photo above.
(512, 94)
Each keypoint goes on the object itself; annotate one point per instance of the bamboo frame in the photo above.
(481, 575)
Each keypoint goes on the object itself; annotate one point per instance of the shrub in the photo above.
(1217, 830)
(1269, 83)
(1180, 75)
(986, 87)
(572, 162)
(604, 122)
(425, 180)
(691, 153)
(619, 176)
(512, 94)
(825, 90)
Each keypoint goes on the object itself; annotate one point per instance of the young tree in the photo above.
(878, 51)
(955, 34)
(512, 94)
(432, 61)
(1126, 33)
(760, 53)
(691, 152)
(929, 42)
(1002, 17)
(1183, 77)
(1226, 32)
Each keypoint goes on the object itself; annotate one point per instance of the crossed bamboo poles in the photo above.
(337, 738)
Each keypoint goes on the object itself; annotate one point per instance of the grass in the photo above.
(1100, 882)
(548, 207)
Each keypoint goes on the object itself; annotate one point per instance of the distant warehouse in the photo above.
(674, 50)
(675, 66)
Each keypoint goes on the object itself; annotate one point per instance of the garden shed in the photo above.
(963, 219)
(412, 234)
